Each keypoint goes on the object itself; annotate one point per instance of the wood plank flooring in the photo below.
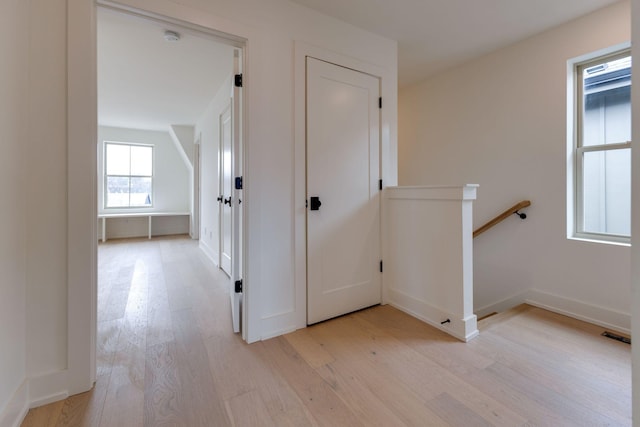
(167, 357)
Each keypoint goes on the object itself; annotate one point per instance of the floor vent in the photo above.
(616, 337)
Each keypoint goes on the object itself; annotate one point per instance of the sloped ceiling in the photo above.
(146, 82)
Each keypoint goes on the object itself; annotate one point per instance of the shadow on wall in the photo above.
(498, 286)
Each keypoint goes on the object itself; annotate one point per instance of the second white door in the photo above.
(343, 172)
(225, 189)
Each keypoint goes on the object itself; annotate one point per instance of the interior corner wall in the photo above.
(47, 189)
(500, 121)
(183, 137)
(635, 219)
(171, 188)
(14, 48)
(271, 28)
(208, 130)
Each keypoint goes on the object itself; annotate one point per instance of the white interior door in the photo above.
(343, 171)
(226, 129)
(236, 205)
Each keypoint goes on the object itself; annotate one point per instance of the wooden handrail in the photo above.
(504, 215)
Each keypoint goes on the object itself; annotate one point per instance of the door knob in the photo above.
(314, 203)
(227, 201)
(219, 199)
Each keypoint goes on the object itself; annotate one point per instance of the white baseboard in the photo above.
(208, 252)
(277, 324)
(33, 392)
(48, 388)
(15, 411)
(502, 305)
(597, 315)
(601, 316)
(463, 328)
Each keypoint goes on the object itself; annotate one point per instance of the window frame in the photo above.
(575, 216)
(106, 175)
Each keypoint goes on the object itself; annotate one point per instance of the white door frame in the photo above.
(82, 127)
(195, 215)
(82, 189)
(388, 155)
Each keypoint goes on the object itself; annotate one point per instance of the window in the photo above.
(128, 175)
(603, 149)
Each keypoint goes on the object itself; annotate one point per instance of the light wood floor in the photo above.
(166, 357)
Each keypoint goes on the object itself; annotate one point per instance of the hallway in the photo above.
(167, 356)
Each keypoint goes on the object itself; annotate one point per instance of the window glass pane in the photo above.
(117, 159)
(607, 192)
(129, 170)
(117, 191)
(607, 102)
(141, 160)
(140, 191)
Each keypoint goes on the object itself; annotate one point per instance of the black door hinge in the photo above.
(380, 184)
(380, 266)
(238, 183)
(380, 102)
(238, 286)
(238, 80)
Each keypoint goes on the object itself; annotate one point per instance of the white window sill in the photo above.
(606, 242)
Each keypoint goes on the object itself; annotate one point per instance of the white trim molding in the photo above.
(594, 314)
(598, 315)
(15, 411)
(502, 305)
(82, 211)
(48, 388)
(462, 328)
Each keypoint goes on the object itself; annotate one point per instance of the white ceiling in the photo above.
(145, 82)
(434, 35)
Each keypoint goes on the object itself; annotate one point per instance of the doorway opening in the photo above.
(162, 85)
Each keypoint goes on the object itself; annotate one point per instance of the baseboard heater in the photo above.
(616, 337)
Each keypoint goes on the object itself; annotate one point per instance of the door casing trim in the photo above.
(388, 172)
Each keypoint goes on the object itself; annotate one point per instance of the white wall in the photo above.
(208, 129)
(171, 189)
(170, 174)
(500, 121)
(272, 28)
(61, 144)
(183, 137)
(14, 37)
(635, 219)
(47, 194)
(428, 255)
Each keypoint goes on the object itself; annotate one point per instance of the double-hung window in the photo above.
(128, 175)
(602, 149)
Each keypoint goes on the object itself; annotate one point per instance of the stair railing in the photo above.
(515, 209)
